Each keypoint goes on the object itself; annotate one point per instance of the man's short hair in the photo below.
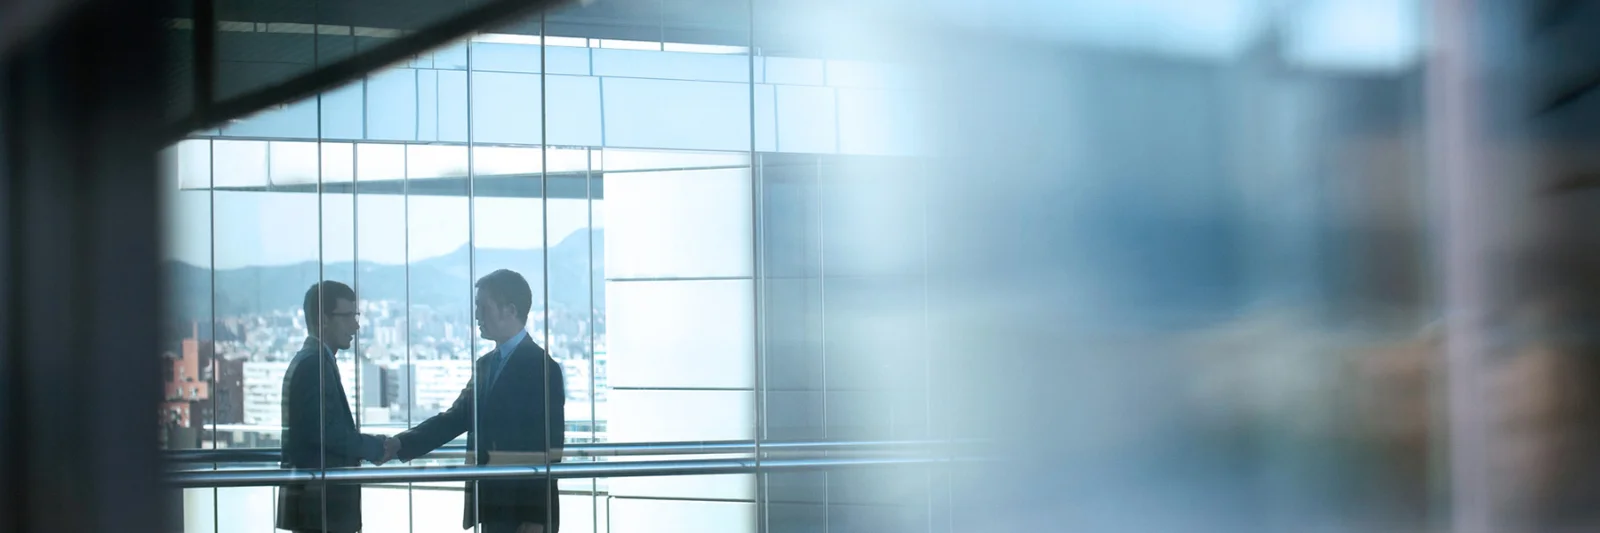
(507, 287)
(330, 291)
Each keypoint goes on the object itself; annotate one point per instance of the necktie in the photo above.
(496, 366)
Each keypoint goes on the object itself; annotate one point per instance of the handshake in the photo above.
(391, 448)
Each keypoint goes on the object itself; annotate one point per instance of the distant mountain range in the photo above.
(443, 282)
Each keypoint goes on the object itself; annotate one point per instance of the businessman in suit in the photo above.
(319, 431)
(519, 398)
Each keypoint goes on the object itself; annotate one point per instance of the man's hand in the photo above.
(391, 448)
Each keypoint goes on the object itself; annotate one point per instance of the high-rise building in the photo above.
(262, 401)
(201, 386)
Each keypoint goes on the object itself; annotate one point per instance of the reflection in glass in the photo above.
(376, 185)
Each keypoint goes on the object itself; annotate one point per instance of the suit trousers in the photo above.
(507, 527)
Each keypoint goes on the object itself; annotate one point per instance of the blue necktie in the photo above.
(496, 366)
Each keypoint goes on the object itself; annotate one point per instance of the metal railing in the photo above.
(629, 449)
(271, 477)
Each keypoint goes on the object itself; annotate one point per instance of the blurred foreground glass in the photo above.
(1183, 265)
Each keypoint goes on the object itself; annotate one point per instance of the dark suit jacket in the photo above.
(523, 411)
(319, 432)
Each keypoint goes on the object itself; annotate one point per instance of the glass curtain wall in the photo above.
(1119, 263)
(714, 234)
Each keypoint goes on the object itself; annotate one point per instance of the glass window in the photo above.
(341, 112)
(686, 224)
(680, 415)
(575, 121)
(392, 105)
(682, 334)
(505, 108)
(451, 114)
(766, 118)
(807, 119)
(297, 120)
(418, 180)
(705, 115)
(876, 122)
(566, 60)
(794, 70)
(505, 57)
(672, 65)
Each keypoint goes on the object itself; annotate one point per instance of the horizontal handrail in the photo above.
(272, 455)
(271, 477)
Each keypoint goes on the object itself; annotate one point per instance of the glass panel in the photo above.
(198, 512)
(866, 74)
(451, 56)
(505, 108)
(614, 160)
(795, 413)
(239, 163)
(381, 280)
(245, 510)
(437, 161)
(442, 341)
(293, 163)
(452, 108)
(794, 71)
(807, 119)
(766, 118)
(381, 162)
(392, 105)
(428, 105)
(188, 347)
(644, 415)
(295, 120)
(338, 165)
(682, 334)
(705, 115)
(876, 122)
(630, 515)
(679, 224)
(872, 216)
(342, 111)
(575, 119)
(436, 507)
(716, 487)
(877, 517)
(382, 507)
(672, 65)
(787, 517)
(584, 513)
(793, 342)
(564, 60)
(505, 57)
(267, 256)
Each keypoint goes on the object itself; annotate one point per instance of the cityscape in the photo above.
(403, 367)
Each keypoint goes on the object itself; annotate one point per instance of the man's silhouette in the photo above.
(319, 431)
(519, 399)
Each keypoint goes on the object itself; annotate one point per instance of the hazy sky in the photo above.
(255, 228)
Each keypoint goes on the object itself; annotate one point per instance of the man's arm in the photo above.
(337, 439)
(441, 428)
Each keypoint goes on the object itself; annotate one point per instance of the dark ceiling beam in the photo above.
(447, 29)
(19, 19)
